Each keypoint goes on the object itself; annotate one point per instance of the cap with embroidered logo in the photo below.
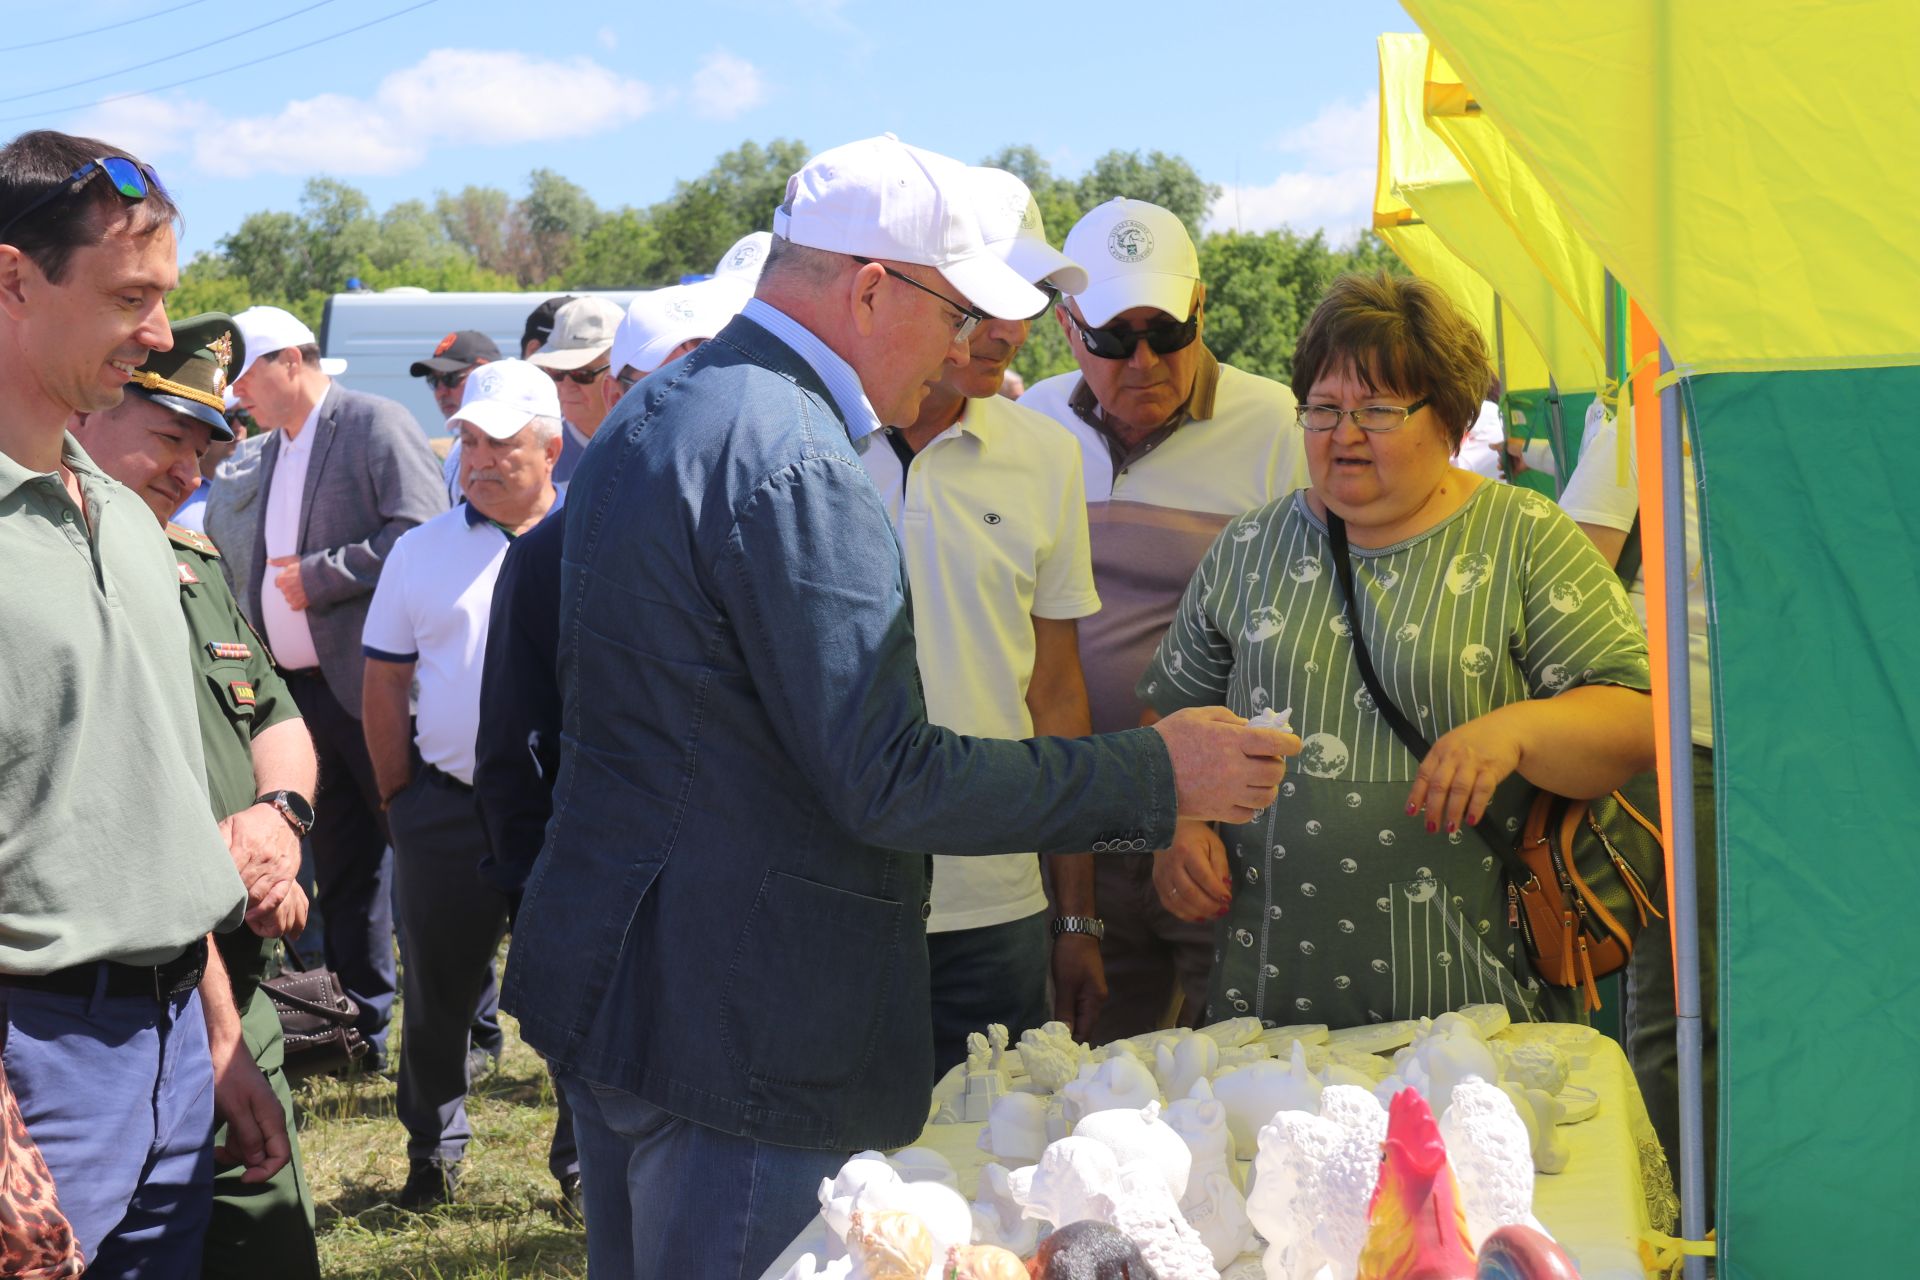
(661, 319)
(1011, 225)
(1136, 255)
(459, 350)
(500, 397)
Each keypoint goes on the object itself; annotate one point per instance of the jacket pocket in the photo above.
(809, 985)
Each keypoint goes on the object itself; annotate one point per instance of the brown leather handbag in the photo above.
(36, 1241)
(316, 1019)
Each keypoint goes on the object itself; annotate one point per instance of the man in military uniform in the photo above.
(260, 769)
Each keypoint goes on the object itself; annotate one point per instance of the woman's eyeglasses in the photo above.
(1370, 418)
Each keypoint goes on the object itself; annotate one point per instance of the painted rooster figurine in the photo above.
(1416, 1227)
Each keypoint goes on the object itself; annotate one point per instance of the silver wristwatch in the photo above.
(1093, 926)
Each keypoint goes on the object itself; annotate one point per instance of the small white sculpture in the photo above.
(1016, 1128)
(1234, 1032)
(1443, 1053)
(1078, 1179)
(1213, 1203)
(838, 1192)
(1533, 1064)
(1491, 1019)
(1121, 1081)
(985, 1081)
(1051, 1055)
(1253, 1094)
(1492, 1160)
(997, 1039)
(1542, 1115)
(1314, 1176)
(998, 1218)
(924, 1164)
(1141, 1137)
(869, 1186)
(1178, 1063)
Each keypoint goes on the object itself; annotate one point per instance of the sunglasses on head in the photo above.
(1115, 342)
(578, 377)
(130, 178)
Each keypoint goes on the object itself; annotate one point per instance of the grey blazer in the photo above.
(372, 477)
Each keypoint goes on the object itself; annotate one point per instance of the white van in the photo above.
(380, 335)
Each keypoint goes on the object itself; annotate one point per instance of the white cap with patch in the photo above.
(582, 332)
(661, 319)
(502, 396)
(881, 198)
(744, 260)
(1010, 223)
(1136, 255)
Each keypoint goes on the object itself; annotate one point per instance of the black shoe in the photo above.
(572, 1206)
(430, 1183)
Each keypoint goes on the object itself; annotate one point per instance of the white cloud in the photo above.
(460, 96)
(607, 38)
(726, 86)
(1331, 191)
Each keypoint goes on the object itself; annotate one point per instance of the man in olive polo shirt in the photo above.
(260, 771)
(112, 870)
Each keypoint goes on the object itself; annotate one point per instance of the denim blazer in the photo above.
(728, 915)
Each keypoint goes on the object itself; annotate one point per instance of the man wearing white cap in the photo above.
(745, 258)
(341, 476)
(429, 622)
(992, 516)
(721, 948)
(575, 357)
(1174, 444)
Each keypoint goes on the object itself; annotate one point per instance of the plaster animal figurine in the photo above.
(1532, 1064)
(1016, 1128)
(1542, 1115)
(1234, 1032)
(1178, 1063)
(1253, 1094)
(1079, 1178)
(1141, 1137)
(1312, 1180)
(982, 1262)
(924, 1164)
(889, 1246)
(1492, 1159)
(1443, 1053)
(1213, 1202)
(1121, 1081)
(837, 1193)
(1416, 1225)
(869, 1186)
(998, 1217)
(1051, 1055)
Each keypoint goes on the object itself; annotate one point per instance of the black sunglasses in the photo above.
(448, 381)
(130, 178)
(578, 377)
(1115, 343)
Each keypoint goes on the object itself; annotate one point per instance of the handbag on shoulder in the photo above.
(1579, 871)
(316, 1019)
(36, 1240)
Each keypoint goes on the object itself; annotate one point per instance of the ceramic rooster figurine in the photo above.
(1416, 1227)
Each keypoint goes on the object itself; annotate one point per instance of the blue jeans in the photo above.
(668, 1199)
(118, 1095)
(997, 973)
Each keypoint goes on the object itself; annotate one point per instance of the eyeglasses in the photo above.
(578, 377)
(130, 178)
(1116, 343)
(1370, 418)
(448, 381)
(969, 318)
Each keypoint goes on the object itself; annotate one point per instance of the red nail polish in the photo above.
(1432, 827)
(1473, 819)
(1412, 809)
(1452, 827)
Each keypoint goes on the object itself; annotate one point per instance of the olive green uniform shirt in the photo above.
(107, 849)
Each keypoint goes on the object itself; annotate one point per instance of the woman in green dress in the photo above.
(1365, 893)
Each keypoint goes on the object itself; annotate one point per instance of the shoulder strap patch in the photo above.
(192, 541)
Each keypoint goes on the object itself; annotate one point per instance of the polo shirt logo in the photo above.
(992, 517)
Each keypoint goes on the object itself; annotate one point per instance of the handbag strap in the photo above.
(281, 995)
(1402, 727)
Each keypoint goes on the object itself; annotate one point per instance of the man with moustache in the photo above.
(748, 783)
(989, 505)
(112, 870)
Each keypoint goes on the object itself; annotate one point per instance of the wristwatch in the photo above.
(292, 806)
(1093, 926)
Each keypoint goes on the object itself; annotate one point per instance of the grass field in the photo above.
(506, 1221)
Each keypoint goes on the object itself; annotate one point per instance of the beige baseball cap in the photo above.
(582, 333)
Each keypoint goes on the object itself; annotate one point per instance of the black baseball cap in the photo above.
(459, 350)
(540, 323)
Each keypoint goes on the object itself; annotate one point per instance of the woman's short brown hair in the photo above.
(1398, 334)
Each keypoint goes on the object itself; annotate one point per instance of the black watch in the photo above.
(292, 806)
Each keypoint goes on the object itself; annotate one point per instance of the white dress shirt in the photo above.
(286, 627)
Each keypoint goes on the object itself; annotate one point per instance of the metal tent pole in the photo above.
(1685, 905)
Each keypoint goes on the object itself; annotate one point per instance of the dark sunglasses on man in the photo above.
(130, 178)
(1116, 342)
(579, 377)
(449, 381)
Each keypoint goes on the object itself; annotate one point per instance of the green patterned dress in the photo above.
(1346, 911)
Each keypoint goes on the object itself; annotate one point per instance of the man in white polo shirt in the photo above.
(1174, 444)
(429, 620)
(988, 502)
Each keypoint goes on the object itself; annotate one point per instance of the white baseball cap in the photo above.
(275, 330)
(1010, 223)
(582, 332)
(746, 257)
(1136, 255)
(881, 198)
(661, 319)
(501, 396)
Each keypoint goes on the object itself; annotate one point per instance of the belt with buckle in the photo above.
(160, 982)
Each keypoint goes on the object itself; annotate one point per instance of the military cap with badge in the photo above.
(192, 378)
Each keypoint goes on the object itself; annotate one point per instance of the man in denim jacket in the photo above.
(722, 947)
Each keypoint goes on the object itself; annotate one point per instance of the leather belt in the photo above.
(160, 982)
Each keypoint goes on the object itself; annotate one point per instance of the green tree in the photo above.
(476, 219)
(410, 234)
(622, 253)
(1168, 181)
(704, 216)
(548, 224)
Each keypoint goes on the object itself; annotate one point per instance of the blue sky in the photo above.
(1274, 101)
